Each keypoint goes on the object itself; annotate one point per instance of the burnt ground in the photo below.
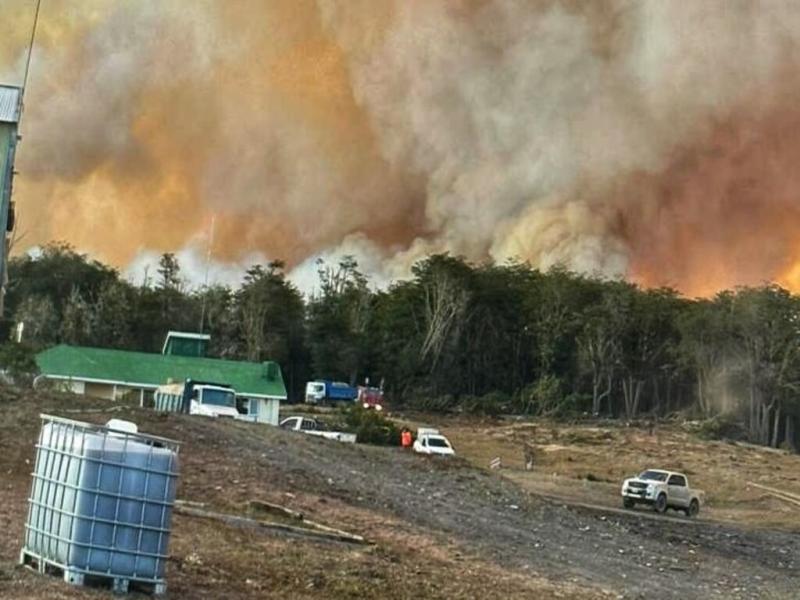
(440, 528)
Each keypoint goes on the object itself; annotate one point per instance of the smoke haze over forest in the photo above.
(654, 140)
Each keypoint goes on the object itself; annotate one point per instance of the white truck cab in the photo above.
(661, 490)
(315, 392)
(430, 441)
(213, 401)
(203, 399)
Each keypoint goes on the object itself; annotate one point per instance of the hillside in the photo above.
(437, 529)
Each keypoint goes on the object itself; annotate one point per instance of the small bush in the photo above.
(573, 405)
(370, 426)
(18, 362)
(491, 404)
(438, 404)
(543, 398)
(726, 426)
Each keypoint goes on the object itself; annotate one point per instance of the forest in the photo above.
(480, 338)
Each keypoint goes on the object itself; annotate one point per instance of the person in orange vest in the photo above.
(406, 440)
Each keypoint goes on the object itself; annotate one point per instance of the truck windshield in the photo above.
(653, 476)
(219, 397)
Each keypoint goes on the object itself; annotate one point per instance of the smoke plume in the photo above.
(648, 139)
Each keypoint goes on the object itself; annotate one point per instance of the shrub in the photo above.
(725, 426)
(574, 405)
(424, 403)
(491, 404)
(541, 398)
(18, 362)
(370, 426)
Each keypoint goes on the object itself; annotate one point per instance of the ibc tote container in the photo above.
(101, 503)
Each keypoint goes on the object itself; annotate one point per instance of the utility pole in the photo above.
(11, 108)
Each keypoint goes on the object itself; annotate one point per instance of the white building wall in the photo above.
(263, 410)
(269, 411)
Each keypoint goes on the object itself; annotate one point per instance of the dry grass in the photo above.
(588, 463)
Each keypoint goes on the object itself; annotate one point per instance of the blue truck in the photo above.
(330, 392)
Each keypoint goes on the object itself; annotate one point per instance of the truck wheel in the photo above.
(628, 503)
(694, 508)
(661, 504)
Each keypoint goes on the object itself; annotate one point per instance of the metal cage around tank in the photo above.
(101, 503)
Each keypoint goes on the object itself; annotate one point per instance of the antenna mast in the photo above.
(30, 54)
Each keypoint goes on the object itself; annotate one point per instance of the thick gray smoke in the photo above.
(524, 117)
(615, 136)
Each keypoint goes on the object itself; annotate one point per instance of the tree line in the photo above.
(483, 338)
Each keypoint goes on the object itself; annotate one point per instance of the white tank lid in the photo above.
(122, 425)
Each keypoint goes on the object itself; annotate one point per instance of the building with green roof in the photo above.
(115, 374)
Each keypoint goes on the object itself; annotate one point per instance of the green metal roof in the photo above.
(149, 370)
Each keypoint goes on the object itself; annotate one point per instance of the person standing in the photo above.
(406, 440)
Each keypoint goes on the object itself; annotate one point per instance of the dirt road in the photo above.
(628, 553)
(441, 528)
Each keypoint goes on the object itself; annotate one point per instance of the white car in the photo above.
(430, 441)
(661, 490)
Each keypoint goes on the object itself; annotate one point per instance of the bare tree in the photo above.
(76, 322)
(445, 307)
(599, 350)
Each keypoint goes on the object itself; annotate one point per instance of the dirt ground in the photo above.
(438, 528)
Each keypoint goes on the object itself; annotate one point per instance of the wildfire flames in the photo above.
(653, 140)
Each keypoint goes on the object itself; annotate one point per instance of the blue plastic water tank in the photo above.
(101, 500)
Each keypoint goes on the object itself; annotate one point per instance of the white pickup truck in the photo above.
(661, 490)
(313, 427)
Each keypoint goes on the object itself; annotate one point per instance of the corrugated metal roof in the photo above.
(77, 362)
(9, 104)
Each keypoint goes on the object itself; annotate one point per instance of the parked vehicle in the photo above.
(197, 398)
(314, 427)
(330, 392)
(430, 441)
(661, 490)
(370, 397)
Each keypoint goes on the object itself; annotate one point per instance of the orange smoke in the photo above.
(140, 127)
(726, 212)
